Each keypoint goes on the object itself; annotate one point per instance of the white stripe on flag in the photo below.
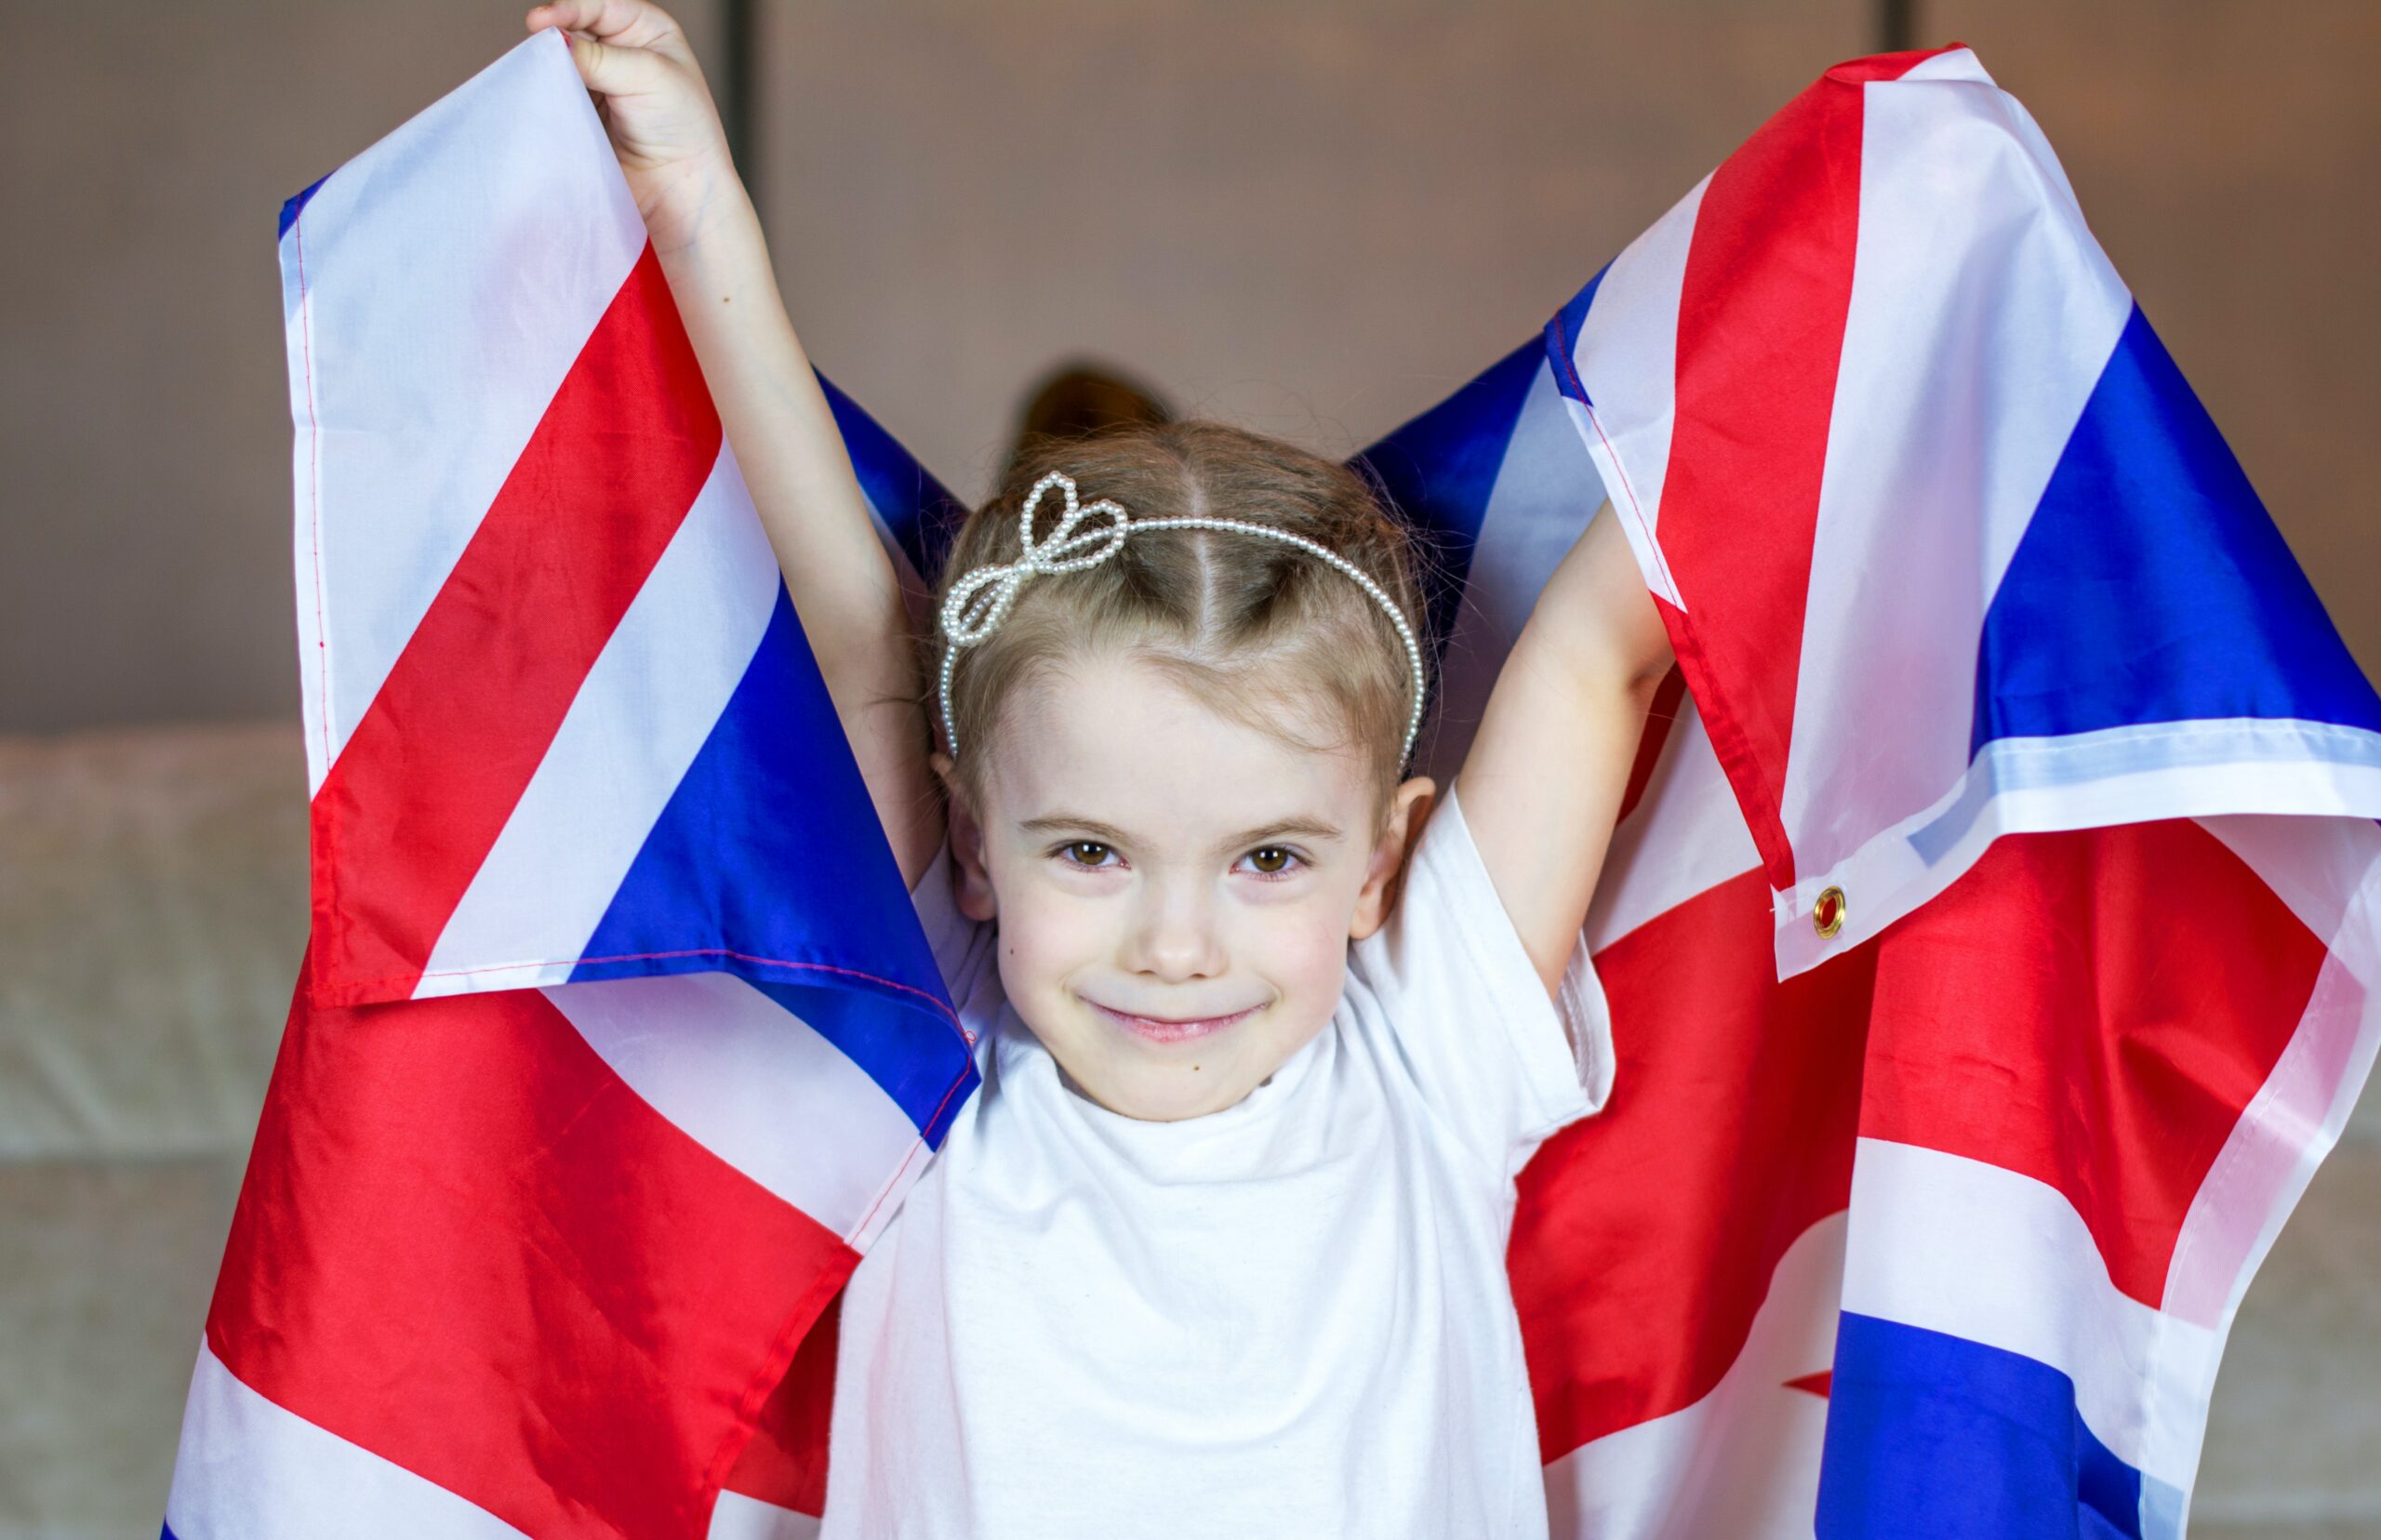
(1953, 64)
(645, 710)
(1742, 1462)
(1627, 358)
(1978, 1251)
(756, 1086)
(2111, 776)
(405, 321)
(2329, 875)
(1953, 402)
(741, 1517)
(2329, 872)
(249, 1470)
(1685, 836)
(1544, 496)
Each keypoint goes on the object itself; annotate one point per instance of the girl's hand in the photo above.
(650, 93)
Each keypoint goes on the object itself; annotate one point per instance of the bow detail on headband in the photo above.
(977, 601)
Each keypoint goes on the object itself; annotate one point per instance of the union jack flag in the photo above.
(1993, 933)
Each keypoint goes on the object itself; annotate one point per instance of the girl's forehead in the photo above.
(1118, 742)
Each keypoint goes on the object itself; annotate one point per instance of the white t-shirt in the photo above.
(1288, 1318)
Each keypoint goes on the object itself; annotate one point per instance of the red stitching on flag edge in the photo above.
(1728, 742)
(915, 1144)
(314, 481)
(352, 992)
(322, 873)
(1571, 367)
(804, 1316)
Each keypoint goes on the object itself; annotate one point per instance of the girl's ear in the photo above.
(971, 876)
(1409, 809)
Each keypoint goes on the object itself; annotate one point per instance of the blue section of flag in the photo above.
(886, 1044)
(922, 513)
(297, 206)
(2150, 586)
(1573, 317)
(1562, 338)
(1935, 1435)
(1438, 471)
(771, 844)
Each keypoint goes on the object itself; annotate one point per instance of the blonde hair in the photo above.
(1256, 629)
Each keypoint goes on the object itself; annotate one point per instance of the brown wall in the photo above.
(1316, 219)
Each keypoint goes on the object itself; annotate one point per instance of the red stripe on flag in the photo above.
(1646, 1238)
(2094, 1010)
(465, 1245)
(1761, 311)
(786, 1462)
(444, 751)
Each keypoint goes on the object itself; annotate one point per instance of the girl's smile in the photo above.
(1159, 1029)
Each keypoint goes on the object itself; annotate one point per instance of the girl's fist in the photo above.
(650, 93)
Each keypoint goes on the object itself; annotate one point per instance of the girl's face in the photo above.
(1176, 891)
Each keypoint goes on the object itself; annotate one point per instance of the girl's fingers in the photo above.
(622, 23)
(612, 69)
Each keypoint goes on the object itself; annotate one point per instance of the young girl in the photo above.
(1219, 1247)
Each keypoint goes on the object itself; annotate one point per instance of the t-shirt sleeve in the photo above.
(1502, 1061)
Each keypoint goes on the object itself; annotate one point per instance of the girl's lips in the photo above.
(1170, 1031)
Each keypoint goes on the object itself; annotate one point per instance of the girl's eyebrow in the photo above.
(1308, 828)
(1066, 823)
(1057, 823)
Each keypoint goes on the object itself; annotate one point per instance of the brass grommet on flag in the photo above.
(1827, 915)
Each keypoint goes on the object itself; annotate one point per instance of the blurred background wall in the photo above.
(1316, 219)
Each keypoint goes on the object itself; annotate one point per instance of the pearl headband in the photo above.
(978, 602)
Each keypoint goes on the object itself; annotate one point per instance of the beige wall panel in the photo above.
(2228, 154)
(1316, 219)
(108, 1271)
(152, 912)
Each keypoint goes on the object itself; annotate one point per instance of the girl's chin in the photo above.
(1174, 1093)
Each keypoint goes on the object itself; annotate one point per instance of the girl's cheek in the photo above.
(1053, 936)
(1311, 945)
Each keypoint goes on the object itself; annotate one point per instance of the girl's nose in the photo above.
(1177, 938)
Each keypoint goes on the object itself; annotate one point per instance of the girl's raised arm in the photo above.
(1544, 777)
(848, 591)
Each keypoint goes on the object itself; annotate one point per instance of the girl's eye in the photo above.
(1275, 861)
(1085, 854)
